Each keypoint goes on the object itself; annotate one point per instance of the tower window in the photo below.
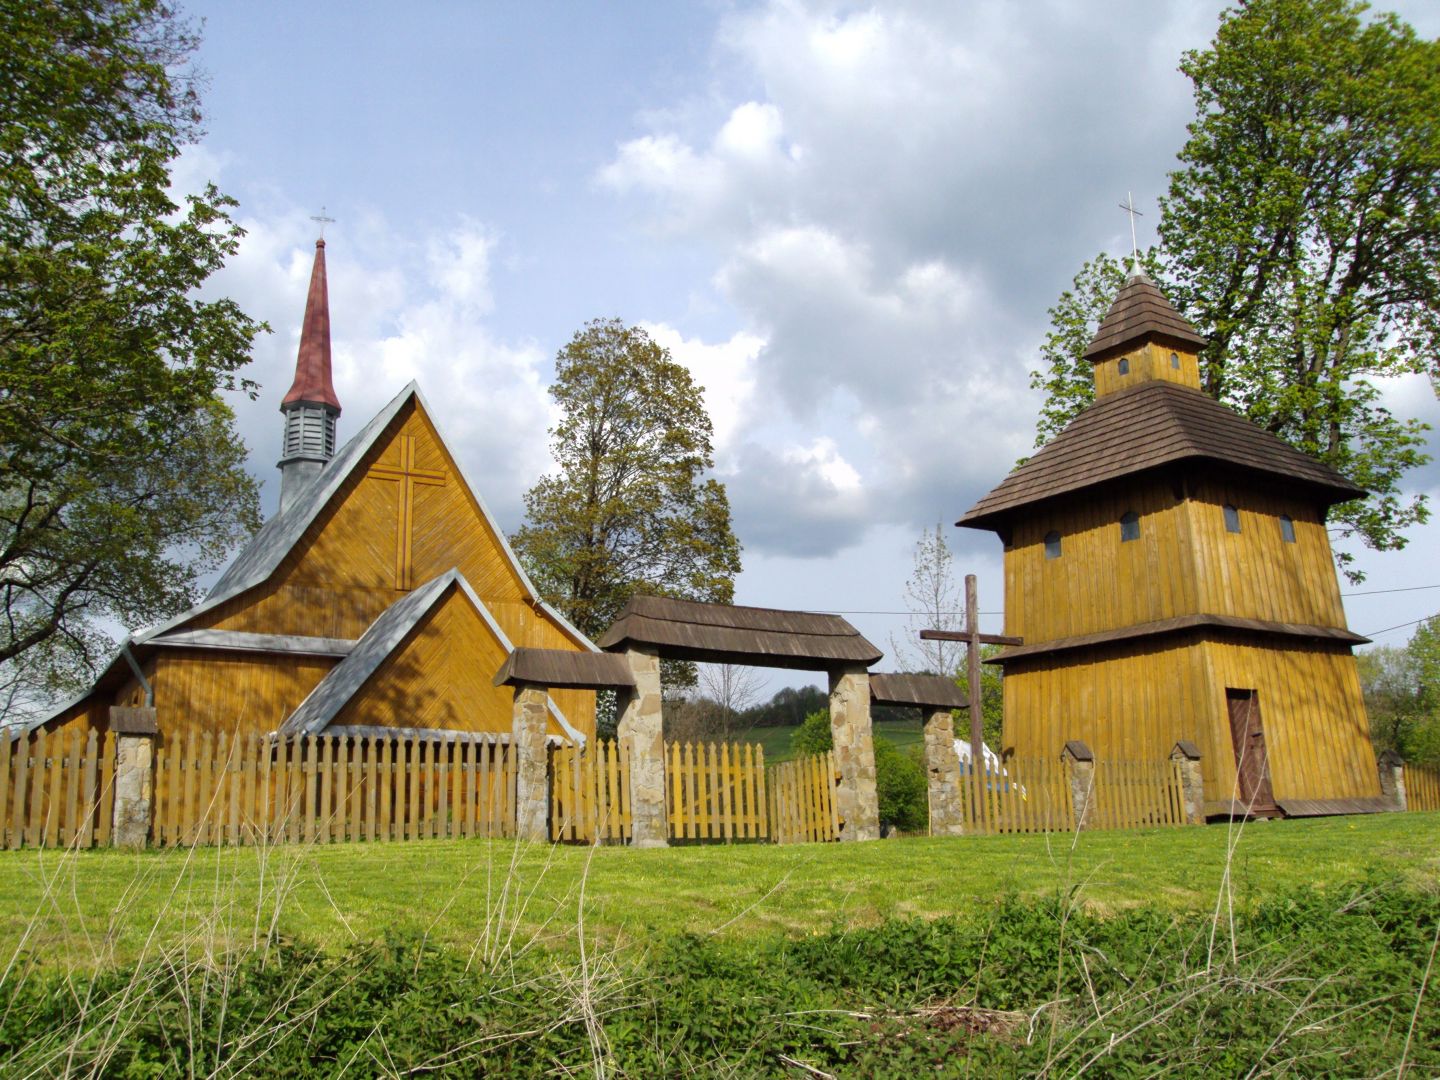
(1129, 526)
(1232, 519)
(1287, 529)
(1052, 545)
(1124, 365)
(1175, 361)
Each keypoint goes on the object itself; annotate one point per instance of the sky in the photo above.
(847, 221)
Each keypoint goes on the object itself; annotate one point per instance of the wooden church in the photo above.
(381, 596)
(1168, 571)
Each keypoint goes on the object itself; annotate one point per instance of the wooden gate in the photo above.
(716, 791)
(802, 800)
(590, 792)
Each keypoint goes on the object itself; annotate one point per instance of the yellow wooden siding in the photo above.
(1317, 737)
(1135, 704)
(1126, 705)
(1098, 582)
(1148, 363)
(1255, 573)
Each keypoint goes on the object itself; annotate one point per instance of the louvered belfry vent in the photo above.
(311, 407)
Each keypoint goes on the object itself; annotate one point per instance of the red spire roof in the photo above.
(312, 367)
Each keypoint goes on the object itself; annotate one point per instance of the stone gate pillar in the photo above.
(641, 734)
(942, 770)
(1082, 779)
(532, 786)
(1192, 782)
(1392, 778)
(135, 734)
(854, 753)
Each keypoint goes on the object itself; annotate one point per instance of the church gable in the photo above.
(386, 517)
(427, 663)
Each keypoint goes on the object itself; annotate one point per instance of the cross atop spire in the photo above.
(1129, 207)
(323, 221)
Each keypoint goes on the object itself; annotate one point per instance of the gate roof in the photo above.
(726, 634)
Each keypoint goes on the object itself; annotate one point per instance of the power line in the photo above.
(1378, 592)
(1401, 626)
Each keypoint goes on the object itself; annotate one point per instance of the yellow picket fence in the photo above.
(590, 792)
(1422, 787)
(57, 790)
(802, 800)
(716, 791)
(328, 789)
(1028, 795)
(1136, 795)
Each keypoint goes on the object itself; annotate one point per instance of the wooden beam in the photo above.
(961, 635)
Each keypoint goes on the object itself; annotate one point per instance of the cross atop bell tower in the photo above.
(311, 407)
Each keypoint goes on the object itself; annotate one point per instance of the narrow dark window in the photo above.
(1129, 525)
(1052, 545)
(1124, 365)
(1175, 361)
(1232, 519)
(1287, 529)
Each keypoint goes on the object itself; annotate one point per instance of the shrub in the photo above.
(899, 779)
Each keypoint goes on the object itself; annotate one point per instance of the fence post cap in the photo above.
(1389, 759)
(126, 720)
(1077, 751)
(1186, 749)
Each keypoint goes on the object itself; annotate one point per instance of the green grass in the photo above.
(776, 740)
(100, 907)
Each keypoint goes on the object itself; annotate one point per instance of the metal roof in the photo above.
(240, 641)
(383, 637)
(312, 364)
(728, 634)
(1144, 427)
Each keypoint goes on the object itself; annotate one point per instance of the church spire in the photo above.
(311, 407)
(1143, 339)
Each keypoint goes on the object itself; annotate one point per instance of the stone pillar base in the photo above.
(532, 773)
(1192, 781)
(1392, 779)
(1082, 779)
(942, 771)
(854, 754)
(641, 733)
(135, 734)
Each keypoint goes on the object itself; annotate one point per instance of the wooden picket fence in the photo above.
(716, 791)
(1422, 787)
(802, 800)
(328, 789)
(1028, 795)
(590, 792)
(1033, 795)
(1136, 795)
(57, 790)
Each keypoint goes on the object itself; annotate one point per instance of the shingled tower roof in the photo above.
(1141, 312)
(312, 367)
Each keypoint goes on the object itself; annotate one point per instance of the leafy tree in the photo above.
(1302, 237)
(901, 790)
(787, 706)
(629, 509)
(121, 474)
(1402, 694)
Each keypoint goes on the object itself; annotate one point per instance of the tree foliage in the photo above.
(121, 475)
(630, 508)
(1301, 236)
(1402, 694)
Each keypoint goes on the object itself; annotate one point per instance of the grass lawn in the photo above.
(776, 740)
(97, 907)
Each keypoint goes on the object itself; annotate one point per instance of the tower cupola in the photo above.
(1143, 339)
(311, 407)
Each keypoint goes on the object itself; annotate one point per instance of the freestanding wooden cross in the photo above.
(407, 475)
(973, 639)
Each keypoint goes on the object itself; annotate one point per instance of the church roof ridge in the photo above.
(278, 536)
(313, 382)
(387, 633)
(1140, 310)
(1142, 428)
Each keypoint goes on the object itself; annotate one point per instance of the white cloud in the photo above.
(725, 370)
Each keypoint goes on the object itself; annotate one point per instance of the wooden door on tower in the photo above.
(1252, 768)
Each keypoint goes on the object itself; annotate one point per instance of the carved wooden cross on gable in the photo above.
(407, 476)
